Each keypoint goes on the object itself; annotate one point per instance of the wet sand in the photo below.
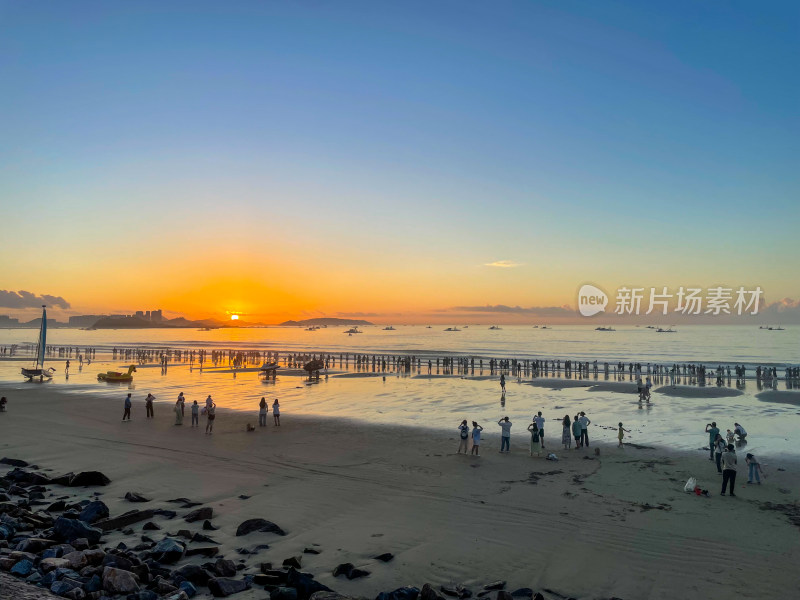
(617, 524)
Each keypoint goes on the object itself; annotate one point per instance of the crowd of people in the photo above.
(722, 451)
(577, 428)
(209, 411)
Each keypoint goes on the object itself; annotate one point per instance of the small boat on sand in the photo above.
(38, 369)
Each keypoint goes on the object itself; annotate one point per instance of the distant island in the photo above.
(325, 321)
(139, 323)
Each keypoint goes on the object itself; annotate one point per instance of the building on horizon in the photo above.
(6, 321)
(84, 320)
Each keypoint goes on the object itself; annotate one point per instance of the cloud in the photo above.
(358, 314)
(23, 299)
(539, 311)
(504, 264)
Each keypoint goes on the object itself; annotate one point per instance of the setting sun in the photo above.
(234, 317)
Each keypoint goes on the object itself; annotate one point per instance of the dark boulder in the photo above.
(168, 551)
(225, 568)
(343, 569)
(207, 526)
(283, 593)
(62, 479)
(403, 593)
(202, 539)
(206, 551)
(14, 462)
(89, 478)
(57, 506)
(150, 526)
(523, 593)
(69, 530)
(260, 525)
(429, 593)
(192, 573)
(495, 585)
(221, 587)
(94, 511)
(23, 568)
(385, 557)
(306, 585)
(199, 515)
(143, 595)
(187, 587)
(294, 562)
(135, 497)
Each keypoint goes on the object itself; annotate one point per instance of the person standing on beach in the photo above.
(276, 412)
(148, 405)
(539, 420)
(127, 412)
(712, 430)
(476, 438)
(753, 469)
(66, 368)
(728, 469)
(211, 414)
(585, 422)
(503, 382)
(262, 413)
(195, 414)
(209, 402)
(534, 429)
(463, 431)
(576, 431)
(178, 413)
(566, 434)
(505, 438)
(621, 434)
(720, 445)
(182, 402)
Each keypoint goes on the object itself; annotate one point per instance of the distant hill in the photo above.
(325, 321)
(136, 323)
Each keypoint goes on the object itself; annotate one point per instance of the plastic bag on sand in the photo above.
(551, 456)
(690, 485)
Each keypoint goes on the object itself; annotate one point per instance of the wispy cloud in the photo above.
(504, 264)
(539, 311)
(23, 299)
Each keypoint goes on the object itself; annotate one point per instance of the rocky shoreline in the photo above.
(56, 541)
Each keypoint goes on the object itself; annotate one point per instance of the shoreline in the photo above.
(361, 489)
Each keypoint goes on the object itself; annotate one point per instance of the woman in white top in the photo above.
(276, 412)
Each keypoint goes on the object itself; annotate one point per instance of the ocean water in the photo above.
(440, 401)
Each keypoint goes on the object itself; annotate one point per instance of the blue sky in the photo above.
(621, 142)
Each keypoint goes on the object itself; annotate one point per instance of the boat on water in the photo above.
(117, 376)
(452, 329)
(495, 327)
(353, 330)
(662, 330)
(389, 328)
(38, 370)
(429, 327)
(604, 329)
(312, 328)
(546, 327)
(650, 327)
(775, 329)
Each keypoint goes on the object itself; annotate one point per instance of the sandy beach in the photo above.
(586, 526)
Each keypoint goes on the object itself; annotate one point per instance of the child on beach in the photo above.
(534, 429)
(476, 438)
(276, 412)
(753, 469)
(126, 414)
(195, 414)
(262, 413)
(178, 413)
(464, 435)
(729, 436)
(211, 413)
(3, 403)
(621, 434)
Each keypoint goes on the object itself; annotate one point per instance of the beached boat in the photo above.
(38, 369)
(116, 376)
